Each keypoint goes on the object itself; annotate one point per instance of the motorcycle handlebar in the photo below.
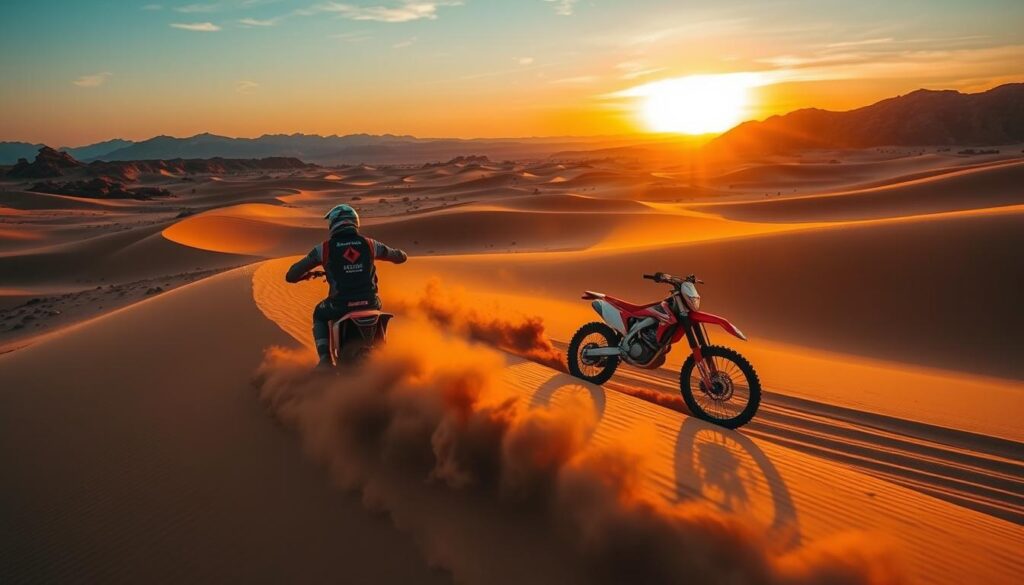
(669, 279)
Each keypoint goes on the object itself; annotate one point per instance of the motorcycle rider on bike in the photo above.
(347, 258)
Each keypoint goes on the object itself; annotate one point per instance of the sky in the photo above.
(75, 72)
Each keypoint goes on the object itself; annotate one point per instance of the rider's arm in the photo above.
(304, 265)
(387, 253)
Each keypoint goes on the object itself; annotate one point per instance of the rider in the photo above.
(347, 258)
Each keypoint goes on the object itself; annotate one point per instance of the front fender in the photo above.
(701, 317)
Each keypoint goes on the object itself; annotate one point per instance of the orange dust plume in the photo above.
(497, 492)
(670, 401)
(519, 334)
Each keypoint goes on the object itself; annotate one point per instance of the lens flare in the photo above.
(698, 104)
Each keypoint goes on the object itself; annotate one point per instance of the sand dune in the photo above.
(124, 255)
(842, 170)
(149, 471)
(975, 188)
(881, 304)
(252, 229)
(235, 485)
(799, 499)
(769, 496)
(534, 223)
(567, 202)
(872, 289)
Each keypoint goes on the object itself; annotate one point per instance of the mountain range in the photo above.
(920, 118)
(350, 149)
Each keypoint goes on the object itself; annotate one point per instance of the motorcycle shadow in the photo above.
(560, 383)
(720, 466)
(729, 470)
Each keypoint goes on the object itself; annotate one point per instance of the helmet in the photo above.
(342, 214)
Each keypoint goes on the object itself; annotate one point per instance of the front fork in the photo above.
(697, 339)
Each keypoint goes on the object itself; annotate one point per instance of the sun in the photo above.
(698, 104)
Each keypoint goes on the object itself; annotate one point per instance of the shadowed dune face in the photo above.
(835, 169)
(976, 188)
(442, 417)
(919, 291)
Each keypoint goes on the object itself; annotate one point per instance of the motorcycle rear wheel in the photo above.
(353, 352)
(735, 394)
(598, 371)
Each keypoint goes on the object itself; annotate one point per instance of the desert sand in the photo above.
(879, 290)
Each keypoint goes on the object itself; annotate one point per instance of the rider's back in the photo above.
(348, 260)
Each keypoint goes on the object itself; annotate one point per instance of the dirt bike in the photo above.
(355, 334)
(718, 384)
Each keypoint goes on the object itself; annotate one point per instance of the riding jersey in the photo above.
(347, 258)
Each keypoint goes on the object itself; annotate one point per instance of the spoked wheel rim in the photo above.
(728, 394)
(590, 366)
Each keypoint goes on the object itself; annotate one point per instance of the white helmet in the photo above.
(341, 215)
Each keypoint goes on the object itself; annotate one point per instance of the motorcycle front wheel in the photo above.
(733, 395)
(592, 335)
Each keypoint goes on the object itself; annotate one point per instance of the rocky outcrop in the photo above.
(99, 188)
(48, 163)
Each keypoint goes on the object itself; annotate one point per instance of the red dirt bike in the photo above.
(356, 334)
(718, 384)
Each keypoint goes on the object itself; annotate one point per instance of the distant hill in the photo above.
(51, 163)
(98, 150)
(920, 118)
(128, 171)
(353, 148)
(10, 152)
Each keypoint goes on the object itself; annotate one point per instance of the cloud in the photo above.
(94, 80)
(860, 43)
(635, 69)
(196, 26)
(404, 44)
(405, 11)
(690, 31)
(525, 60)
(955, 65)
(193, 8)
(578, 80)
(563, 7)
(257, 22)
(246, 87)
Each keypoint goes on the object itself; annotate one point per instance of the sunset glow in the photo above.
(468, 69)
(698, 104)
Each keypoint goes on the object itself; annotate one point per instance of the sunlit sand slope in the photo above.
(860, 412)
(798, 498)
(134, 451)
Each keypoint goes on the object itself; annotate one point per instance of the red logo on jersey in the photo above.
(351, 254)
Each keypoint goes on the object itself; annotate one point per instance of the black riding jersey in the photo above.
(348, 258)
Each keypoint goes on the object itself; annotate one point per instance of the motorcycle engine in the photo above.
(644, 346)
